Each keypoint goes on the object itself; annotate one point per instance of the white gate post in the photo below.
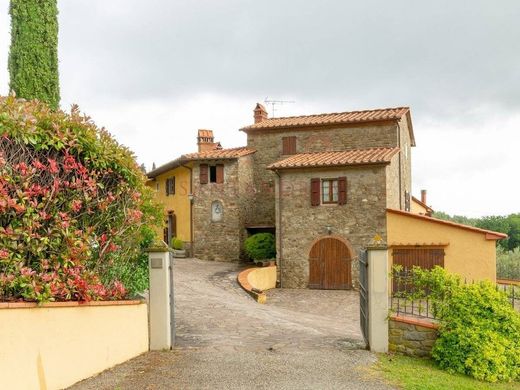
(378, 295)
(160, 298)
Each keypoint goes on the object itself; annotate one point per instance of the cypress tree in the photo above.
(33, 56)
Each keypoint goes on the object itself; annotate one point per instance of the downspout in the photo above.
(400, 165)
(190, 198)
(279, 227)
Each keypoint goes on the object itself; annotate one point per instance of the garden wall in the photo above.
(58, 344)
(411, 336)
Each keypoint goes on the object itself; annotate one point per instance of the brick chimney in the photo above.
(206, 141)
(423, 196)
(260, 113)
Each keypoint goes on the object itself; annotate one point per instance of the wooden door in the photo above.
(407, 258)
(330, 265)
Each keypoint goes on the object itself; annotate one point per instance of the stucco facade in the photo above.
(469, 252)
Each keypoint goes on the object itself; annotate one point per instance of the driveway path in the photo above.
(300, 339)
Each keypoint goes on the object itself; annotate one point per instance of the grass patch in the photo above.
(422, 374)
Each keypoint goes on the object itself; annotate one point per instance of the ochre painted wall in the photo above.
(468, 253)
(179, 202)
(417, 208)
(55, 347)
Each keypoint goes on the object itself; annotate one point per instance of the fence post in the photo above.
(160, 298)
(378, 296)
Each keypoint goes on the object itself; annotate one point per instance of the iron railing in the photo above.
(404, 285)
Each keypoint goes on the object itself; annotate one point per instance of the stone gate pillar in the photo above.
(160, 298)
(378, 295)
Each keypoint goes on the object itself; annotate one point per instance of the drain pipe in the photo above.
(279, 227)
(190, 197)
(400, 166)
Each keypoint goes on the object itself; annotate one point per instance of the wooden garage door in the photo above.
(426, 258)
(329, 265)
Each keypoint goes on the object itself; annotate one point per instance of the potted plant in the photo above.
(178, 247)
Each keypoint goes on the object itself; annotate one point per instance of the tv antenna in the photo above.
(273, 103)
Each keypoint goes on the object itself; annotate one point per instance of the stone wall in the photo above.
(411, 336)
(217, 240)
(268, 144)
(392, 184)
(358, 221)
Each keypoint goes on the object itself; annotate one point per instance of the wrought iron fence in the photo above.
(404, 286)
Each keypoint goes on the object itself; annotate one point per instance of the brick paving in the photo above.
(225, 340)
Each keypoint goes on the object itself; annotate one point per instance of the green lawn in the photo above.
(422, 374)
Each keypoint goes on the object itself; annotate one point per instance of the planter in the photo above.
(181, 253)
(265, 263)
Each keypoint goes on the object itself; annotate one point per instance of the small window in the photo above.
(289, 145)
(213, 174)
(329, 191)
(157, 187)
(170, 186)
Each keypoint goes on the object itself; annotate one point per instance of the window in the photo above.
(289, 145)
(170, 186)
(157, 187)
(211, 173)
(329, 191)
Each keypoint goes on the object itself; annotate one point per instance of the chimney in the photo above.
(260, 113)
(206, 140)
(423, 196)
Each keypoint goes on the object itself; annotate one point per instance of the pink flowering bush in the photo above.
(73, 206)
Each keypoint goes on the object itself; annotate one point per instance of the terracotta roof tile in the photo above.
(339, 158)
(490, 235)
(216, 154)
(385, 114)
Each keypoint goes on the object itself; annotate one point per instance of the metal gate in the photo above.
(363, 294)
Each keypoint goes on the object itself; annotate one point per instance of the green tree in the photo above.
(33, 56)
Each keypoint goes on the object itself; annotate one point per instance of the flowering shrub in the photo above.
(73, 205)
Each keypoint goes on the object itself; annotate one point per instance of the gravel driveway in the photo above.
(300, 339)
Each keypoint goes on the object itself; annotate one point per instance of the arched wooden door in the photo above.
(330, 265)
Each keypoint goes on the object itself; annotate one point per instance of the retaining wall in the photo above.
(411, 336)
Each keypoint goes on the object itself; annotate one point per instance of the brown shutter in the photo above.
(342, 190)
(172, 190)
(315, 192)
(220, 173)
(289, 145)
(203, 173)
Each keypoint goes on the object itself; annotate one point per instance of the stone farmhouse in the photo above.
(327, 186)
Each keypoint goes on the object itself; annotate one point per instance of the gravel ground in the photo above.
(301, 339)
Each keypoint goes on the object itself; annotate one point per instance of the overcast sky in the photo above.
(153, 72)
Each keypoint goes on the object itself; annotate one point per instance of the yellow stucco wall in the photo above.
(54, 347)
(468, 253)
(179, 202)
(417, 208)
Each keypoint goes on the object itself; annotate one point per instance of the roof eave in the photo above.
(274, 168)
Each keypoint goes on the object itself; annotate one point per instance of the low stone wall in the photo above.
(58, 344)
(411, 336)
(256, 280)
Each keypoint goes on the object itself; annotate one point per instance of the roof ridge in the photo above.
(337, 113)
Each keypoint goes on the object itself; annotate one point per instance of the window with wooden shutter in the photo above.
(342, 190)
(289, 145)
(170, 186)
(315, 192)
(203, 173)
(220, 173)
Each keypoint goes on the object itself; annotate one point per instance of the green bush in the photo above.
(74, 208)
(479, 331)
(260, 246)
(508, 264)
(177, 244)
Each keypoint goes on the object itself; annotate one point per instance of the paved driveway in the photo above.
(300, 339)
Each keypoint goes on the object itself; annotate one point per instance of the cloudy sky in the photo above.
(153, 72)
